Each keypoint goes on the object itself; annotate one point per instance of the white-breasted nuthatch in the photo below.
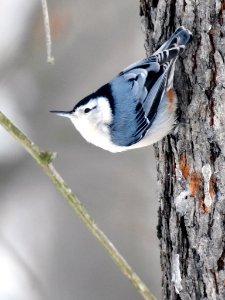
(136, 108)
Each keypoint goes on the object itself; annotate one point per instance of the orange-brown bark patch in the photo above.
(202, 206)
(195, 183)
(184, 166)
(212, 182)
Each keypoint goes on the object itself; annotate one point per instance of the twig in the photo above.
(50, 58)
(44, 159)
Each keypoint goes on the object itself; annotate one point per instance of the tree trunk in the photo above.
(191, 160)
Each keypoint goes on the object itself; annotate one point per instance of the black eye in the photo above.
(87, 110)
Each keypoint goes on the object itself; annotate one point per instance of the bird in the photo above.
(137, 107)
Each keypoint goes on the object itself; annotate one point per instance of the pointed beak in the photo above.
(65, 114)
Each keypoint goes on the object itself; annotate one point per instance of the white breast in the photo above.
(100, 136)
(97, 135)
(95, 129)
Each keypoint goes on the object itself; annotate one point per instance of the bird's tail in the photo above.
(168, 53)
(179, 38)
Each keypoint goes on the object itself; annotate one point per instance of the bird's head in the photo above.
(90, 114)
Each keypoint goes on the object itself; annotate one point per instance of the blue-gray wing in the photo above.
(139, 89)
(137, 95)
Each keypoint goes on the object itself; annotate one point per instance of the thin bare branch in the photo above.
(44, 159)
(50, 58)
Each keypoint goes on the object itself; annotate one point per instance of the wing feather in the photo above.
(140, 88)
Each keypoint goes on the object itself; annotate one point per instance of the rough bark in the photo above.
(191, 160)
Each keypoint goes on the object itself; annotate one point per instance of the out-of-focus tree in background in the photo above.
(45, 252)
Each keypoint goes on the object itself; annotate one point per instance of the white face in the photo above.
(92, 120)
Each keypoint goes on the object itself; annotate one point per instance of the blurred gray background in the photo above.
(45, 251)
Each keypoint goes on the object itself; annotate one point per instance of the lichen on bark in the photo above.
(192, 203)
